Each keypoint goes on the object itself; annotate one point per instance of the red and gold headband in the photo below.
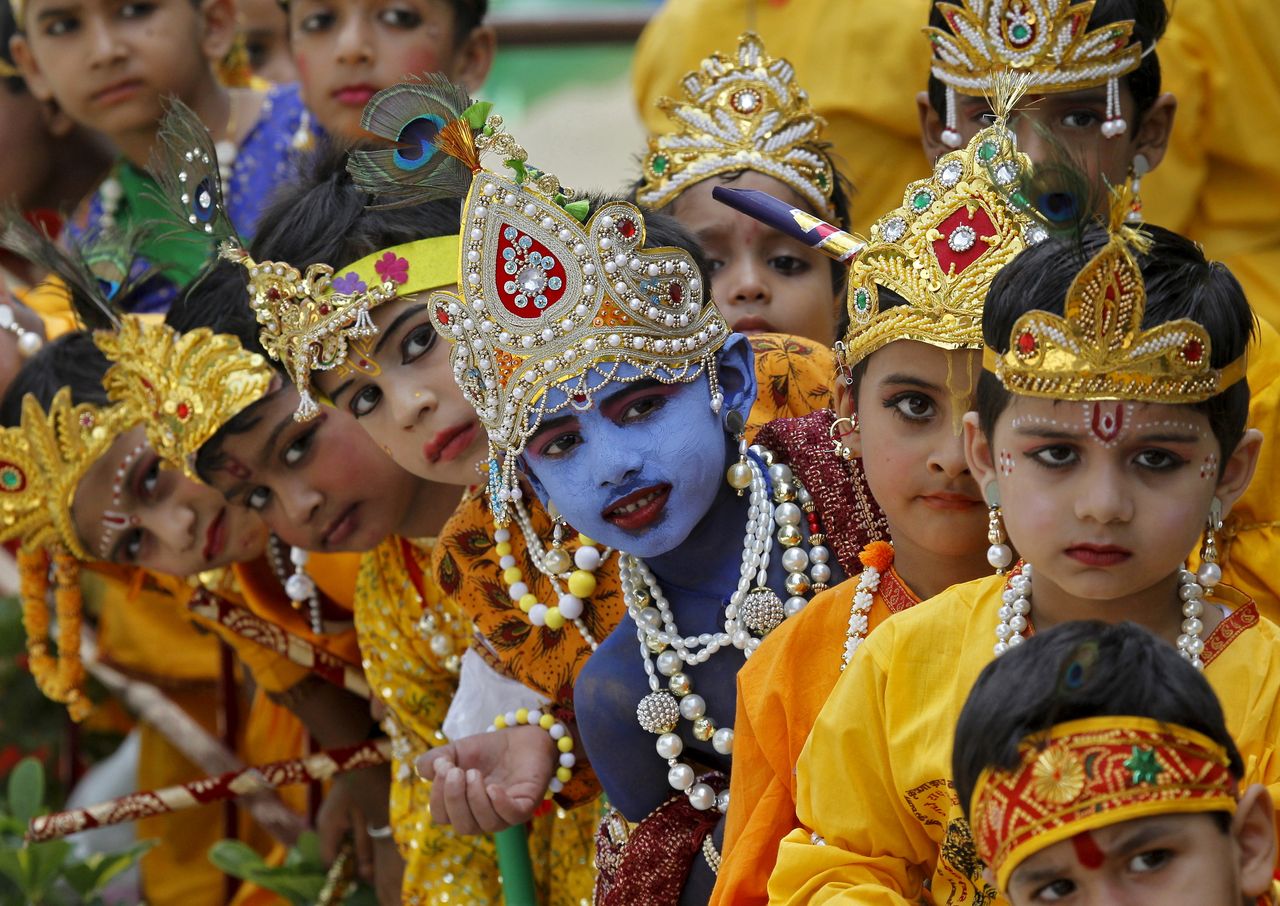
(1086, 774)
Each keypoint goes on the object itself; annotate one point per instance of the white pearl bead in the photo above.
(538, 614)
(570, 606)
(788, 514)
(780, 472)
(722, 801)
(669, 663)
(299, 587)
(1018, 623)
(670, 745)
(441, 645)
(702, 797)
(649, 618)
(680, 777)
(794, 605)
(1190, 590)
(299, 556)
(1209, 574)
(795, 559)
(1192, 609)
(587, 557)
(692, 707)
(722, 741)
(819, 554)
(999, 556)
(819, 572)
(1016, 640)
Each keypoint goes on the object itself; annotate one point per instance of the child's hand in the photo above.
(491, 781)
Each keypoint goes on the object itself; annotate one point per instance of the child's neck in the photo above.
(708, 561)
(433, 504)
(1157, 608)
(211, 102)
(927, 573)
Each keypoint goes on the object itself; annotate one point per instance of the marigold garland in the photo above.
(60, 678)
(878, 555)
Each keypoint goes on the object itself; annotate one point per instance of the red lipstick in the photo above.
(640, 509)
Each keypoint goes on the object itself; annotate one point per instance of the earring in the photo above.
(838, 445)
(301, 589)
(1210, 573)
(302, 139)
(999, 554)
(1138, 169)
(557, 559)
(739, 474)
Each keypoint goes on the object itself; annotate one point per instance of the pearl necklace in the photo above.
(1015, 610)
(752, 612)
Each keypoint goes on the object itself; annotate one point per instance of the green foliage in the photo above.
(299, 880)
(47, 874)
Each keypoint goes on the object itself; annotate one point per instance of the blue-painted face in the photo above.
(642, 466)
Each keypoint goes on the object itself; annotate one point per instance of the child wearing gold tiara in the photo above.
(1109, 436)
(1095, 766)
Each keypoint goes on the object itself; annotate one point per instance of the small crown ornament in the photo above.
(743, 114)
(1098, 350)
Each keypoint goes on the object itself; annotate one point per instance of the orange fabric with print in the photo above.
(794, 377)
(780, 692)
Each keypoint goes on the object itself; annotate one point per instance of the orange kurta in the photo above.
(781, 689)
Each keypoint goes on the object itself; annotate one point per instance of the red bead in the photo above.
(183, 411)
(627, 227)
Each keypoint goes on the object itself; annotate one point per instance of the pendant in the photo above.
(762, 611)
(658, 712)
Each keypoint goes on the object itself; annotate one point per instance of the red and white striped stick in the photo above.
(320, 766)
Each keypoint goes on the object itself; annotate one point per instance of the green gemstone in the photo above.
(1143, 766)
(986, 151)
(659, 165)
(862, 299)
(822, 181)
(921, 200)
(9, 478)
(1020, 32)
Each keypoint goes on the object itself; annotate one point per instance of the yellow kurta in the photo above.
(873, 44)
(874, 779)
(411, 636)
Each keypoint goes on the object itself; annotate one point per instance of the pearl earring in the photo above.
(739, 474)
(1210, 573)
(999, 554)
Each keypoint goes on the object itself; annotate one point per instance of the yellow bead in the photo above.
(582, 584)
(500, 722)
(522, 715)
(585, 541)
(565, 743)
(555, 619)
(527, 602)
(502, 548)
(564, 775)
(512, 576)
(546, 721)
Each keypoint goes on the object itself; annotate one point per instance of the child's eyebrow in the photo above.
(1168, 437)
(614, 400)
(56, 12)
(395, 325)
(911, 380)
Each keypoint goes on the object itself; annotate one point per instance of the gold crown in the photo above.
(41, 464)
(1049, 40)
(182, 387)
(550, 308)
(310, 320)
(748, 115)
(940, 250)
(1098, 349)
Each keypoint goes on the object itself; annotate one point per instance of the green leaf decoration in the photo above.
(519, 169)
(579, 209)
(26, 790)
(477, 113)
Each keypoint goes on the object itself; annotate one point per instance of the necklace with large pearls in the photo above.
(1015, 610)
(753, 611)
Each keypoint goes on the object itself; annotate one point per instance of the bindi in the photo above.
(1209, 468)
(1004, 462)
(236, 469)
(1087, 851)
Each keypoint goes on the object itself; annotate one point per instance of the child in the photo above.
(746, 122)
(1111, 437)
(913, 357)
(1094, 765)
(347, 51)
(1096, 85)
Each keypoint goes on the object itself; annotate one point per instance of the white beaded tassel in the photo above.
(951, 136)
(1114, 124)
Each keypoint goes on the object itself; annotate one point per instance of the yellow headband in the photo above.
(1086, 774)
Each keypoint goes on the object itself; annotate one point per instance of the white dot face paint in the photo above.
(1209, 468)
(1105, 423)
(1005, 463)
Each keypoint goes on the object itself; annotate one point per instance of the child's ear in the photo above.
(977, 452)
(473, 57)
(1238, 470)
(846, 403)
(930, 128)
(218, 18)
(20, 51)
(736, 364)
(1254, 831)
(1152, 139)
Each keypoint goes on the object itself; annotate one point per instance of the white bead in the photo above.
(692, 707)
(788, 514)
(999, 556)
(1209, 574)
(1190, 591)
(1192, 626)
(587, 557)
(568, 759)
(670, 745)
(794, 605)
(570, 606)
(1022, 605)
(669, 662)
(1018, 623)
(649, 618)
(1016, 640)
(557, 731)
(299, 587)
(702, 797)
(1003, 631)
(819, 554)
(794, 559)
(819, 572)
(1192, 609)
(722, 741)
(780, 472)
(538, 614)
(722, 801)
(680, 777)
(441, 645)
(1001, 648)
(299, 556)
(518, 591)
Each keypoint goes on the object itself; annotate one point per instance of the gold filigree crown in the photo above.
(1098, 350)
(747, 114)
(41, 464)
(551, 308)
(1049, 40)
(940, 250)
(182, 387)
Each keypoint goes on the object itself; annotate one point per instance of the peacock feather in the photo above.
(184, 165)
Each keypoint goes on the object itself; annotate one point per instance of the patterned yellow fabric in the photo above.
(411, 636)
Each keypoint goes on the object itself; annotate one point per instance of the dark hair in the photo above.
(1180, 283)
(71, 360)
(885, 299)
(1070, 672)
(1150, 19)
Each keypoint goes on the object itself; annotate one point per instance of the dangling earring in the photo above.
(1138, 169)
(951, 136)
(301, 589)
(999, 554)
(739, 474)
(557, 559)
(302, 138)
(838, 446)
(1210, 573)
(1114, 124)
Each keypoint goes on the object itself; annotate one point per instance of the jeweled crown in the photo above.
(550, 309)
(743, 114)
(1049, 40)
(940, 250)
(1098, 350)
(41, 464)
(182, 387)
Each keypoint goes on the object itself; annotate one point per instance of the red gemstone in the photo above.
(324, 309)
(442, 316)
(183, 411)
(675, 292)
(273, 294)
(627, 227)
(1027, 343)
(579, 398)
(1193, 351)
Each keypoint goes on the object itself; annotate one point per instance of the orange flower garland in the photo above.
(878, 555)
(60, 678)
